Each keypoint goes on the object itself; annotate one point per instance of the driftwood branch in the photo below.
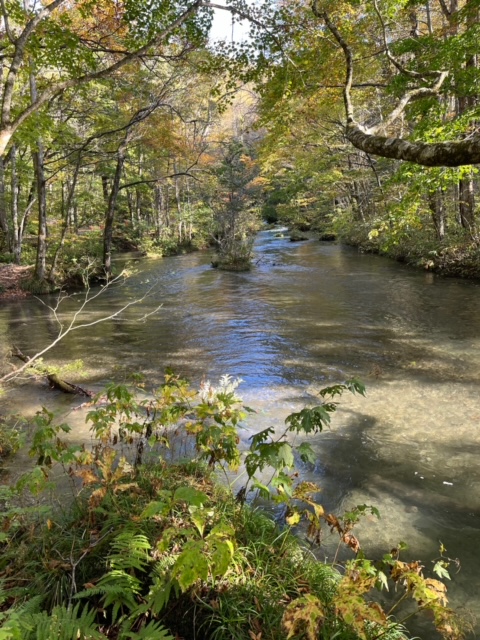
(53, 380)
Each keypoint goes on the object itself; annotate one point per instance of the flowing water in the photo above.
(309, 314)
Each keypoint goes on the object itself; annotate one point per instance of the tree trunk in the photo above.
(39, 170)
(157, 210)
(112, 203)
(131, 211)
(466, 204)
(67, 206)
(4, 227)
(429, 17)
(16, 238)
(105, 188)
(437, 208)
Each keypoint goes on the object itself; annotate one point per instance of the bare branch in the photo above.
(414, 94)
(156, 180)
(71, 326)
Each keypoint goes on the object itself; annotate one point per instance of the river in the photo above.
(307, 315)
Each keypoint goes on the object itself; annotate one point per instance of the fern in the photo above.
(130, 551)
(153, 631)
(12, 620)
(61, 624)
(120, 587)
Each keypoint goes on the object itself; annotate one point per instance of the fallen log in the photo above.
(54, 381)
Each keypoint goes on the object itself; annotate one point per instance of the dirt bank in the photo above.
(11, 276)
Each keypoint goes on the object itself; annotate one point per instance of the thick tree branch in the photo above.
(440, 154)
(414, 94)
(18, 57)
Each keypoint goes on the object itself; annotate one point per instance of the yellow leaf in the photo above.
(293, 519)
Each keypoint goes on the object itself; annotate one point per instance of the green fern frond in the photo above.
(117, 589)
(61, 624)
(14, 621)
(153, 631)
(130, 551)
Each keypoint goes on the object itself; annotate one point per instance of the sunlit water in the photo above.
(309, 314)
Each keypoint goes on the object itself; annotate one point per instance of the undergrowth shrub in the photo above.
(11, 435)
(149, 548)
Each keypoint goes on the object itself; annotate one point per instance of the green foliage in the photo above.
(60, 624)
(235, 213)
(279, 453)
(37, 287)
(148, 539)
(11, 435)
(80, 259)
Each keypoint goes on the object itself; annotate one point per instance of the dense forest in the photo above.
(126, 127)
(123, 126)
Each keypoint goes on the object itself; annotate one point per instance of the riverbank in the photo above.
(461, 260)
(457, 258)
(11, 278)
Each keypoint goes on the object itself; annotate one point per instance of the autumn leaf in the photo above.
(351, 541)
(87, 476)
(97, 497)
(304, 616)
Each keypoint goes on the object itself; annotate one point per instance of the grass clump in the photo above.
(132, 554)
(11, 437)
(270, 571)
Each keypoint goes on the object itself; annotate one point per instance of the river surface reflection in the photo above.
(307, 315)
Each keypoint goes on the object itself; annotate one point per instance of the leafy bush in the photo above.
(148, 543)
(37, 287)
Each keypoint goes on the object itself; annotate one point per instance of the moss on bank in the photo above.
(459, 257)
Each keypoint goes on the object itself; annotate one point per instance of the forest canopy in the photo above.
(124, 119)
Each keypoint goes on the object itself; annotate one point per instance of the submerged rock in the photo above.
(298, 236)
(328, 237)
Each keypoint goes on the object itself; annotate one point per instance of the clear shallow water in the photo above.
(307, 315)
